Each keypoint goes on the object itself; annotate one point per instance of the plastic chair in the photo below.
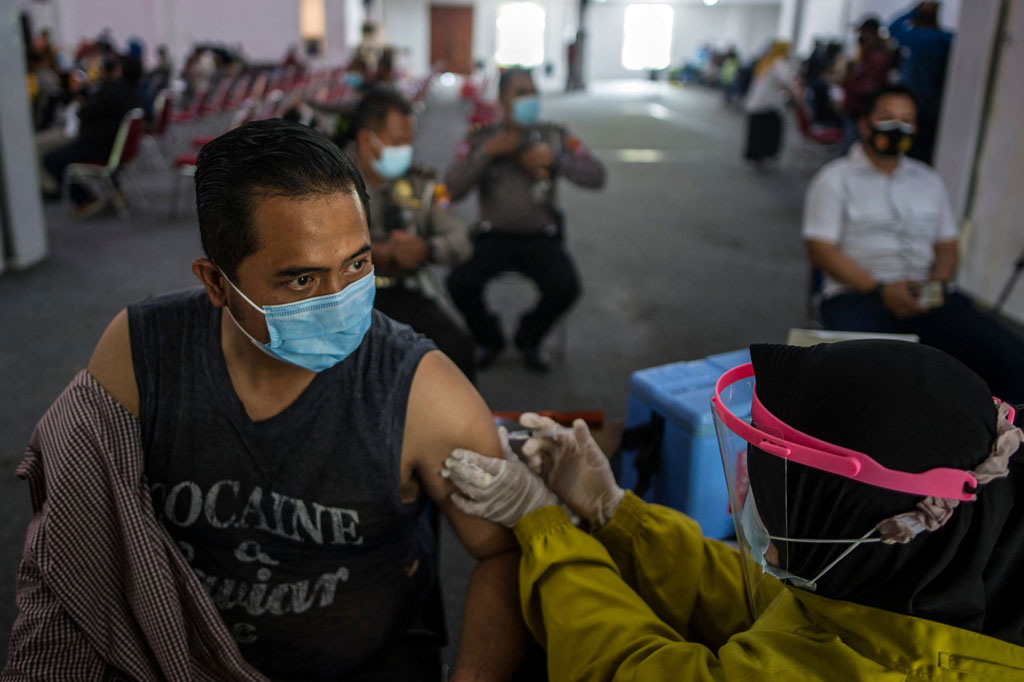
(191, 113)
(484, 113)
(814, 133)
(184, 165)
(126, 147)
(558, 337)
(163, 106)
(218, 100)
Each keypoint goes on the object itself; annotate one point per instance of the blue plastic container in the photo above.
(688, 475)
(727, 361)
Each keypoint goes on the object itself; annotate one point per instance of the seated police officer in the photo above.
(515, 164)
(410, 224)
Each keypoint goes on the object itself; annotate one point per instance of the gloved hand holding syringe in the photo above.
(557, 464)
(550, 432)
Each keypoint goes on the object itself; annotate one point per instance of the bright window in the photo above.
(647, 41)
(312, 19)
(520, 34)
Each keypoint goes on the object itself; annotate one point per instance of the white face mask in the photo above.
(758, 538)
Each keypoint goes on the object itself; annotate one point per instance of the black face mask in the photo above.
(891, 138)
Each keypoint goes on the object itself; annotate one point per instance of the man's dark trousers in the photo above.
(977, 339)
(542, 258)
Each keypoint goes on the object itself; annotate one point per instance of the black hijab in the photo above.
(911, 408)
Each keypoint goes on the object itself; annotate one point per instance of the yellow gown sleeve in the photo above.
(593, 625)
(692, 583)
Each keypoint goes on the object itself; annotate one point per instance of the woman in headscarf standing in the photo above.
(773, 78)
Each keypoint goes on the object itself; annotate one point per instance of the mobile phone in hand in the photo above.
(931, 294)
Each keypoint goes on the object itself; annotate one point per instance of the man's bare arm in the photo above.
(446, 412)
(828, 258)
(111, 364)
(947, 257)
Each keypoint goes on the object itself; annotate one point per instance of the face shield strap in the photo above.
(770, 434)
(933, 513)
(943, 488)
(756, 535)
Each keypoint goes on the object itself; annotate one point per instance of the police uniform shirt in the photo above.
(887, 224)
(418, 203)
(511, 199)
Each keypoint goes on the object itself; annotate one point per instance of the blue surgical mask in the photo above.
(394, 162)
(317, 333)
(526, 110)
(354, 79)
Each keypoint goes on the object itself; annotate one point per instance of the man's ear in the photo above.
(213, 281)
(364, 143)
(863, 127)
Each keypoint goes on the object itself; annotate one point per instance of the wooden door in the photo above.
(451, 38)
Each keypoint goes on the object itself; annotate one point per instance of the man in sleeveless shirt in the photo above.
(293, 435)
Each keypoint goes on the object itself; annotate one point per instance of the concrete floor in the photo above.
(685, 253)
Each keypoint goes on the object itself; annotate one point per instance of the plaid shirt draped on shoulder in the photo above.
(103, 592)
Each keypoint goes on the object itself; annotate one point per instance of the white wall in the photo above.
(264, 28)
(993, 238)
(748, 27)
(407, 24)
(747, 24)
(23, 240)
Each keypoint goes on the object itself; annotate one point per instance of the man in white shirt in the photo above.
(881, 228)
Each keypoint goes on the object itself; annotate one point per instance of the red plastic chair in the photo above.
(191, 113)
(163, 106)
(825, 135)
(125, 149)
(218, 101)
(484, 113)
(240, 92)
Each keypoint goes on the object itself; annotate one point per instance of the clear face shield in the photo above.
(741, 422)
(761, 588)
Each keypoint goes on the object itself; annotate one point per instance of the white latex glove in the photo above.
(574, 468)
(499, 490)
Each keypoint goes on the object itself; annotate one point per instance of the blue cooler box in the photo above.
(688, 475)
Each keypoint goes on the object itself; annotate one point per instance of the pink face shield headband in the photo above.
(796, 446)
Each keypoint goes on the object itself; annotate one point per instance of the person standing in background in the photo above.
(773, 78)
(924, 55)
(865, 75)
(160, 77)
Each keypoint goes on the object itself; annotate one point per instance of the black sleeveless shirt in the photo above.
(293, 524)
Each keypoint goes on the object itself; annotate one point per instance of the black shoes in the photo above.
(536, 359)
(485, 356)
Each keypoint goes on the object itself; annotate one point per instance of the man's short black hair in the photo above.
(372, 111)
(887, 91)
(258, 160)
(509, 75)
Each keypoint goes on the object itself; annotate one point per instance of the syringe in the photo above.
(526, 434)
